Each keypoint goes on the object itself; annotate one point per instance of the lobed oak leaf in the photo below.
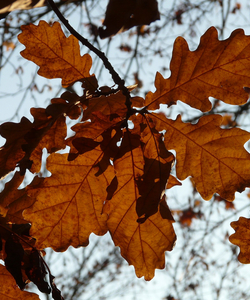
(215, 158)
(218, 69)
(9, 290)
(56, 55)
(241, 238)
(21, 259)
(74, 196)
(142, 243)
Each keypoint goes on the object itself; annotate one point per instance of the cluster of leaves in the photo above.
(119, 164)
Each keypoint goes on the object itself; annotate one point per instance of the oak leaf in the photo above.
(56, 55)
(74, 196)
(50, 134)
(9, 289)
(12, 152)
(241, 238)
(215, 158)
(142, 243)
(25, 140)
(218, 69)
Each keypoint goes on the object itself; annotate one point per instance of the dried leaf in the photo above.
(56, 55)
(11, 152)
(218, 69)
(74, 195)
(25, 140)
(215, 158)
(142, 244)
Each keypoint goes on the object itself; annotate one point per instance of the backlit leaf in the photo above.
(215, 158)
(74, 196)
(25, 140)
(142, 243)
(218, 69)
(56, 55)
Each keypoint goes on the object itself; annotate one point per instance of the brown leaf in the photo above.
(215, 158)
(241, 238)
(124, 14)
(74, 196)
(9, 290)
(11, 152)
(56, 55)
(218, 69)
(52, 137)
(25, 140)
(142, 244)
